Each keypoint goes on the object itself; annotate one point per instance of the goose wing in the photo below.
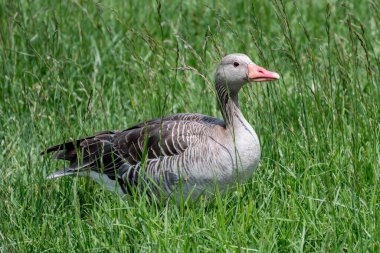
(120, 154)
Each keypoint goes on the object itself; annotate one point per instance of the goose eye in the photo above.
(236, 64)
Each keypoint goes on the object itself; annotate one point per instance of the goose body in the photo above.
(182, 153)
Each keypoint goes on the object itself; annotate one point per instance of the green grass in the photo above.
(72, 68)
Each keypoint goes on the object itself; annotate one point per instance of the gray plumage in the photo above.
(190, 150)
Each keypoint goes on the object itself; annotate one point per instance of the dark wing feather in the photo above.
(154, 140)
(73, 145)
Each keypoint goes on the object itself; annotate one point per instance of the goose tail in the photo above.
(61, 173)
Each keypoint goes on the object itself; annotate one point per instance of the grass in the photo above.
(72, 68)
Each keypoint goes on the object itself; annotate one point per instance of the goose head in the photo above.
(235, 70)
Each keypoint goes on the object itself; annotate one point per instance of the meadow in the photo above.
(72, 68)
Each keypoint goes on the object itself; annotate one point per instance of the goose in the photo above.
(183, 153)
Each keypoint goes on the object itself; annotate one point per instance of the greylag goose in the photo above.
(187, 151)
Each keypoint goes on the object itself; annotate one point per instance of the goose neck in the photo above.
(228, 103)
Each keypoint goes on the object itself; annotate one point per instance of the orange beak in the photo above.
(259, 74)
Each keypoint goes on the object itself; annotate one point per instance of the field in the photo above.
(72, 68)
